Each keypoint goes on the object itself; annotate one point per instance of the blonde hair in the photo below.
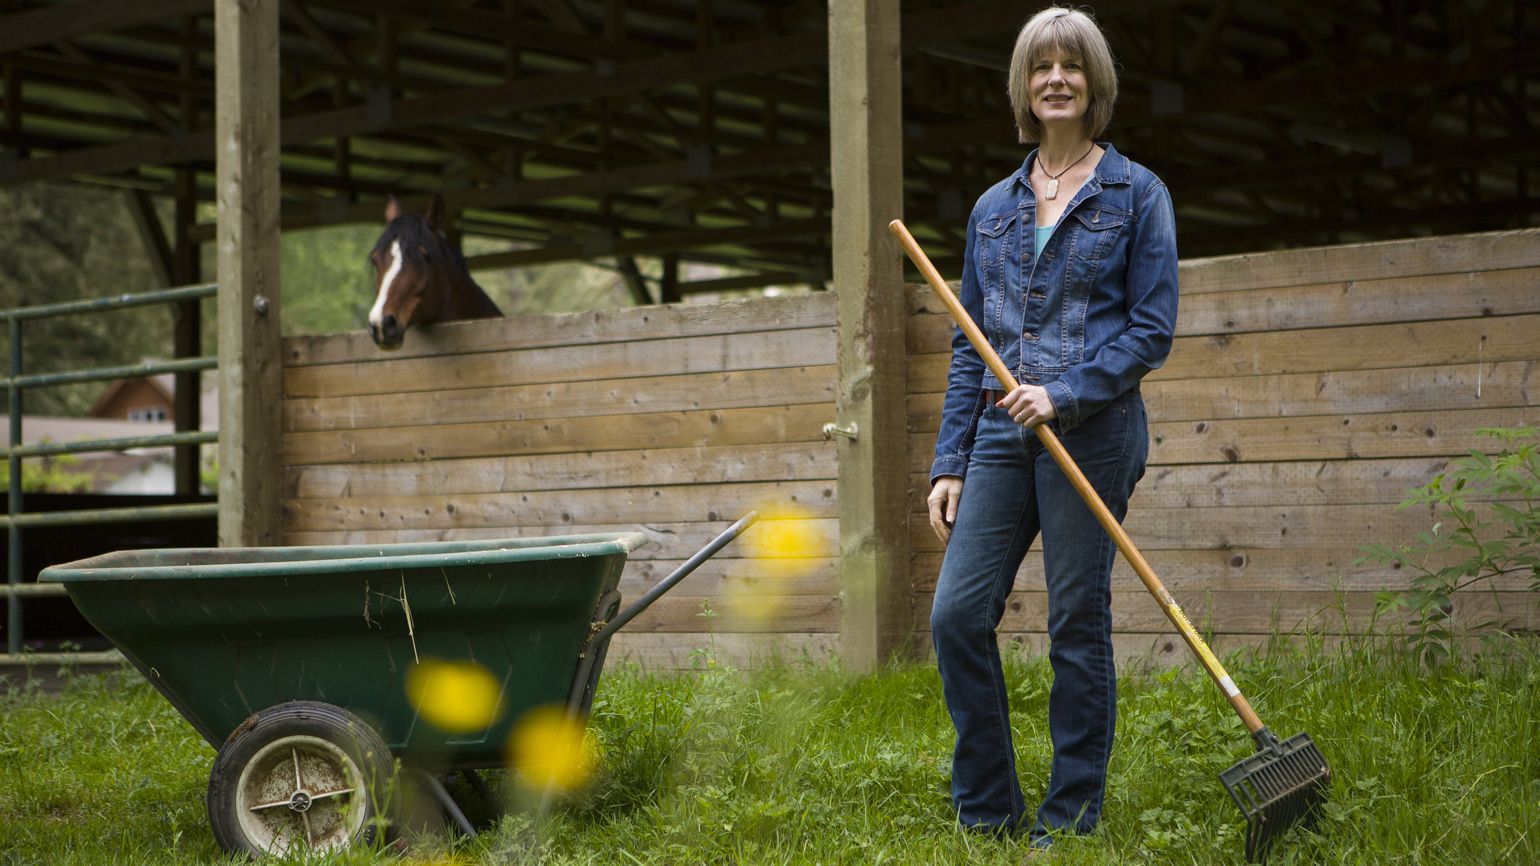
(1076, 35)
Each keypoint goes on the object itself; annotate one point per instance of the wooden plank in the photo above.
(667, 540)
(1325, 437)
(717, 577)
(1275, 527)
(691, 650)
(1354, 482)
(1464, 386)
(1256, 569)
(766, 614)
(575, 329)
(727, 390)
(702, 502)
(776, 461)
(866, 146)
(1401, 258)
(1351, 302)
(1368, 347)
(1330, 437)
(250, 374)
(1262, 612)
(1471, 387)
(630, 360)
(561, 436)
(1310, 482)
(1363, 301)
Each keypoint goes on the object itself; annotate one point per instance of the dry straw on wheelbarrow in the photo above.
(1284, 782)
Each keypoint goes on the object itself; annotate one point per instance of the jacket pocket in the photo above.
(1096, 230)
(992, 249)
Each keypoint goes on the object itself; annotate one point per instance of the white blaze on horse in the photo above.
(419, 277)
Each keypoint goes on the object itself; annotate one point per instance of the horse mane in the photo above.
(414, 233)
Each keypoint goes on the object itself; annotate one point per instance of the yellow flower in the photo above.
(548, 750)
(460, 697)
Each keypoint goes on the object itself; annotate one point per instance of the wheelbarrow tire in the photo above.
(301, 774)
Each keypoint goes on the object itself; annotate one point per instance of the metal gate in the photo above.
(15, 591)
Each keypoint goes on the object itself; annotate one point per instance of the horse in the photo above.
(419, 277)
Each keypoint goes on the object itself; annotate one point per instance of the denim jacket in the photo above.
(1087, 321)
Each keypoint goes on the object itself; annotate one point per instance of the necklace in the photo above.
(1051, 189)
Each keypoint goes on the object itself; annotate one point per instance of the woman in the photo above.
(1070, 270)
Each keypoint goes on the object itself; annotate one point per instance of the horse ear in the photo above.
(392, 209)
(435, 212)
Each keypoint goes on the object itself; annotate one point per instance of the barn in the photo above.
(1354, 210)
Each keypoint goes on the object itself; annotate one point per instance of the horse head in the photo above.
(419, 276)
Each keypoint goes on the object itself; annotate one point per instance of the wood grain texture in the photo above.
(640, 358)
(702, 428)
(776, 461)
(583, 399)
(1471, 387)
(1318, 350)
(1307, 392)
(588, 328)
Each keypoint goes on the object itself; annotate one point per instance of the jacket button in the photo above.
(1026, 256)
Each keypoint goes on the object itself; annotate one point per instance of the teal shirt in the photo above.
(1043, 233)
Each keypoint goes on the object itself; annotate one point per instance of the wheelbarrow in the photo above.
(290, 662)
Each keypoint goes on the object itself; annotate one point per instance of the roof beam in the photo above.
(653, 244)
(729, 61)
(68, 20)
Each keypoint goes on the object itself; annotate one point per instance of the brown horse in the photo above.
(419, 277)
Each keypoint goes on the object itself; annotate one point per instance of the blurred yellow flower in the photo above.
(460, 697)
(783, 546)
(548, 750)
(784, 532)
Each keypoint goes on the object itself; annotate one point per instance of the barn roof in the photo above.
(633, 131)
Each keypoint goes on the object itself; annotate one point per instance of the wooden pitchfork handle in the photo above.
(1082, 486)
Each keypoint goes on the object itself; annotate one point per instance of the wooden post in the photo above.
(865, 116)
(187, 330)
(187, 269)
(246, 138)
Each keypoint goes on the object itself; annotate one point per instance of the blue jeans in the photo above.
(1013, 491)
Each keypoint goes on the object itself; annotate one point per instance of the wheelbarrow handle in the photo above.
(1077, 478)
(668, 583)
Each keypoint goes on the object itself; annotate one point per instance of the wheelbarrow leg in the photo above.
(477, 784)
(448, 804)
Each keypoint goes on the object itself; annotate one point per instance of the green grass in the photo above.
(807, 764)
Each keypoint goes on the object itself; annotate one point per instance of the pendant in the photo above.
(1051, 190)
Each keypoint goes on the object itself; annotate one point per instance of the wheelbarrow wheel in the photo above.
(299, 775)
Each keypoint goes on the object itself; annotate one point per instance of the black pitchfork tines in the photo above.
(1281, 785)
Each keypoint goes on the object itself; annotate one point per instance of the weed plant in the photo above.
(801, 762)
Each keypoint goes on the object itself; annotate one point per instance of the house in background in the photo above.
(149, 400)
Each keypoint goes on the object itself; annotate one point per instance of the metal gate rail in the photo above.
(14, 590)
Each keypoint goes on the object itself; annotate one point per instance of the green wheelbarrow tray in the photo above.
(228, 634)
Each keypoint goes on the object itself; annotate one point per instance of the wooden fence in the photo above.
(674, 420)
(1308, 390)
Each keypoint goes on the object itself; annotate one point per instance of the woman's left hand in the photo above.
(1029, 405)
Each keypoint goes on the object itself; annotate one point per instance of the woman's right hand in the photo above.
(943, 498)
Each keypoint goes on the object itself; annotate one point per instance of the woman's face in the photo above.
(1058, 87)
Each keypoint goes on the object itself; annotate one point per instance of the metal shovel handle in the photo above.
(1082, 486)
